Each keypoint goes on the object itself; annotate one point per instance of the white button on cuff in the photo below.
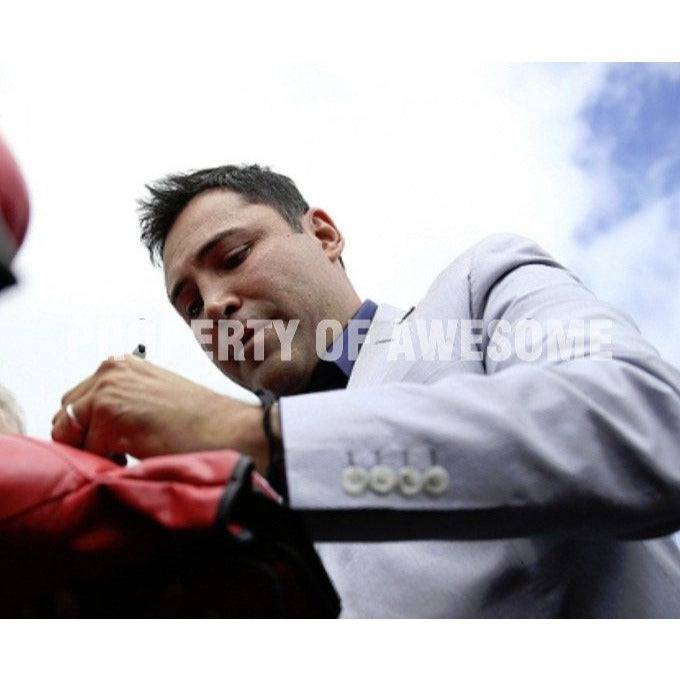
(354, 480)
(410, 480)
(382, 479)
(436, 480)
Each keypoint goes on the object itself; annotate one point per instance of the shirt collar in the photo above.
(350, 341)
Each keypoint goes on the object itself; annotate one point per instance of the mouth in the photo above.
(248, 343)
(248, 340)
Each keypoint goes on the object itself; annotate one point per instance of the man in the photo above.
(189, 535)
(483, 484)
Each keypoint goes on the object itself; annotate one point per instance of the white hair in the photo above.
(11, 416)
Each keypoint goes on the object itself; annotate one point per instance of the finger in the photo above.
(71, 431)
(77, 391)
(106, 433)
(86, 385)
(59, 414)
(100, 438)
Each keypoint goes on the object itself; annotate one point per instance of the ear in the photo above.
(323, 228)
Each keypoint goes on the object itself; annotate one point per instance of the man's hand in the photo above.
(129, 405)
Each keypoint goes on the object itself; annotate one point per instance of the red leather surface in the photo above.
(14, 204)
(54, 491)
(81, 536)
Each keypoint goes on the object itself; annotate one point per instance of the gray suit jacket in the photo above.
(558, 467)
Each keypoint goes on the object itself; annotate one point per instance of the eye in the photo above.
(235, 257)
(194, 308)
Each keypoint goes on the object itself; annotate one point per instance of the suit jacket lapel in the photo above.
(400, 365)
(372, 364)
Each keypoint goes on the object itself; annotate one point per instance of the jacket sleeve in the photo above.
(584, 443)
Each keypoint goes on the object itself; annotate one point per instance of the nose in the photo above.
(219, 303)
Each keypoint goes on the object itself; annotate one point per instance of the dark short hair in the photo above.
(169, 196)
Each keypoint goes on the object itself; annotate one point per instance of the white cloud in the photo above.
(629, 244)
(635, 267)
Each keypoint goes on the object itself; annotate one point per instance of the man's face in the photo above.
(227, 259)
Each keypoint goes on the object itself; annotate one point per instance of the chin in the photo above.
(282, 378)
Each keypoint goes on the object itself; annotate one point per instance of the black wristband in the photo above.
(276, 471)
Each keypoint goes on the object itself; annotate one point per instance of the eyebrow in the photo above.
(201, 255)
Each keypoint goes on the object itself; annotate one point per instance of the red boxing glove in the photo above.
(193, 534)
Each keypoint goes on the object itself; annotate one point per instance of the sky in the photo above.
(414, 152)
(628, 244)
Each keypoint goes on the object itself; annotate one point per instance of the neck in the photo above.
(346, 307)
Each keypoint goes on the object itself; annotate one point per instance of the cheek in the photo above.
(285, 279)
(277, 294)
